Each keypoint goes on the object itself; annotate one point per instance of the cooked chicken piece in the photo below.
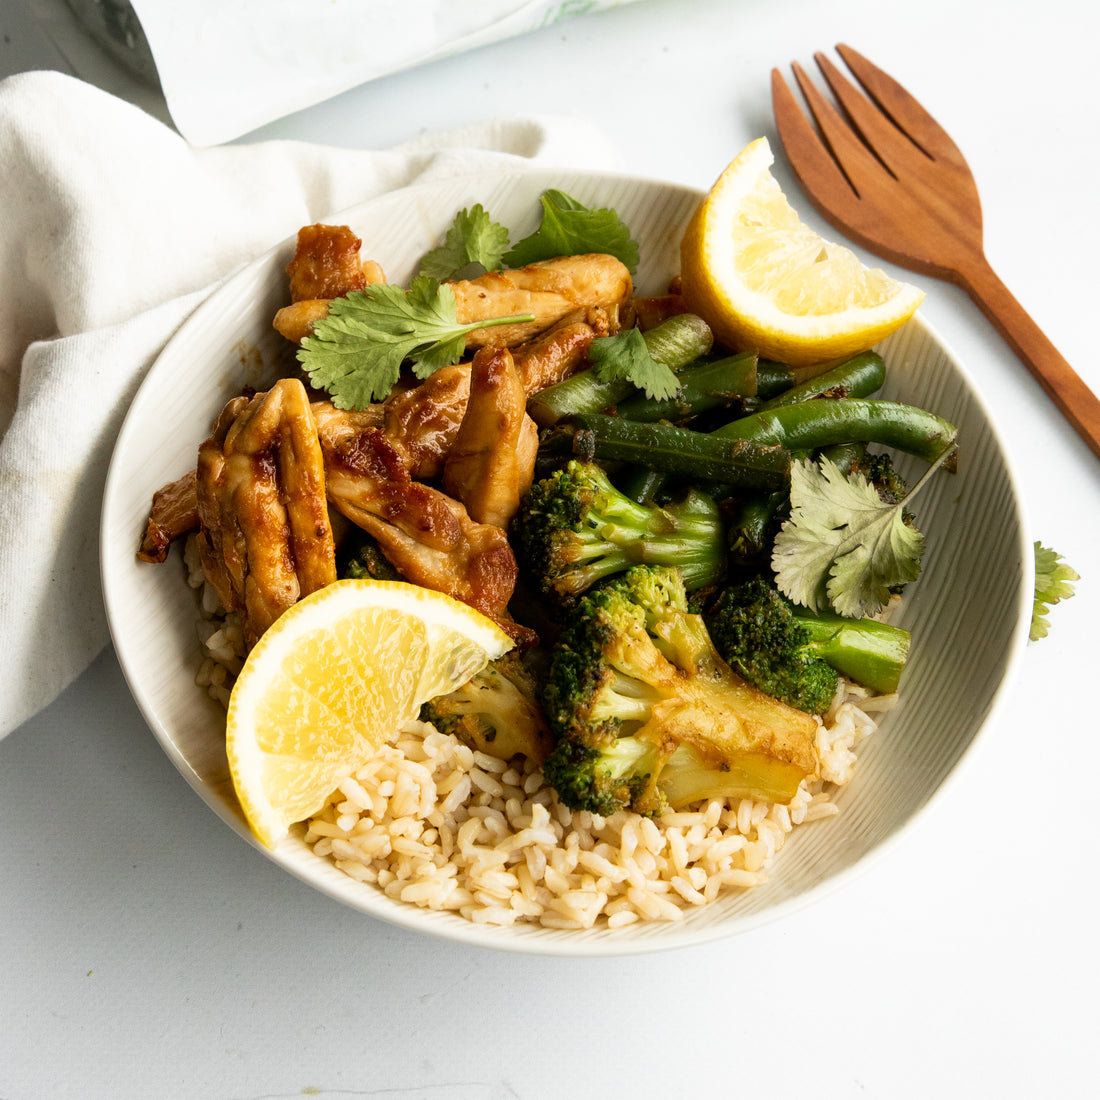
(427, 536)
(549, 290)
(265, 538)
(174, 512)
(647, 313)
(423, 420)
(563, 349)
(492, 460)
(296, 321)
(326, 265)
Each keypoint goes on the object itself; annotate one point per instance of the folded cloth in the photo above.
(114, 230)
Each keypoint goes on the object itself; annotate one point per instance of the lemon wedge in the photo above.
(335, 677)
(766, 282)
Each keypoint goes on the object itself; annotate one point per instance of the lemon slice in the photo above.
(332, 679)
(766, 282)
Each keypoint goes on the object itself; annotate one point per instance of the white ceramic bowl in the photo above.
(976, 584)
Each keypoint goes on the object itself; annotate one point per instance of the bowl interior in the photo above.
(976, 578)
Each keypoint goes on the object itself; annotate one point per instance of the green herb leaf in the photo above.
(625, 357)
(473, 238)
(356, 352)
(570, 228)
(843, 547)
(1053, 583)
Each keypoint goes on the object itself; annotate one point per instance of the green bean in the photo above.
(813, 424)
(860, 376)
(703, 386)
(844, 456)
(679, 340)
(751, 529)
(641, 484)
(676, 342)
(743, 463)
(773, 378)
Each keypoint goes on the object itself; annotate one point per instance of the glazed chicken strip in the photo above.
(264, 539)
(550, 290)
(173, 513)
(295, 322)
(326, 265)
(647, 313)
(427, 536)
(563, 349)
(423, 420)
(492, 460)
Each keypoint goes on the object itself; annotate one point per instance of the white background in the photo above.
(145, 951)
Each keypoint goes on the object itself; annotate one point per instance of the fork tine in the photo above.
(813, 164)
(908, 115)
(893, 148)
(856, 161)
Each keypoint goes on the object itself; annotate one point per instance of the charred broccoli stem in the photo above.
(575, 528)
(794, 655)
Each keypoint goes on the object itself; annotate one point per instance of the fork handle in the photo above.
(1062, 383)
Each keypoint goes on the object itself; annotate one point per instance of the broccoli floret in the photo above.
(795, 655)
(575, 528)
(497, 711)
(878, 468)
(605, 779)
(635, 682)
(362, 557)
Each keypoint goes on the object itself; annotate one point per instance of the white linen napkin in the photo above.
(113, 230)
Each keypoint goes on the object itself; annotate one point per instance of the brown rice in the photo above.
(435, 824)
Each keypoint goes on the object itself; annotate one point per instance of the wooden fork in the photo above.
(886, 174)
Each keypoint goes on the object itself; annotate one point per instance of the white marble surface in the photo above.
(147, 952)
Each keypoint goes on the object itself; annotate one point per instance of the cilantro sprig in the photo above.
(567, 227)
(473, 238)
(625, 357)
(1053, 583)
(844, 548)
(356, 352)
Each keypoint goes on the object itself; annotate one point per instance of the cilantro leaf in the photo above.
(568, 228)
(1053, 583)
(843, 547)
(356, 352)
(473, 238)
(625, 357)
